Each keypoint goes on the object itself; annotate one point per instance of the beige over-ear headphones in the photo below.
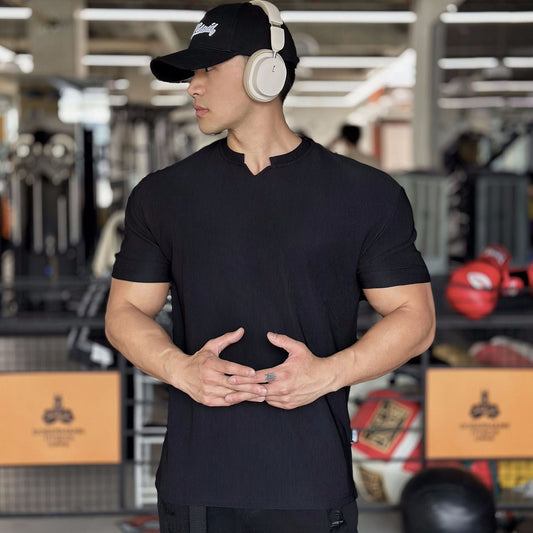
(265, 72)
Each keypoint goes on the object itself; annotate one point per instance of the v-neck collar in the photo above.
(275, 161)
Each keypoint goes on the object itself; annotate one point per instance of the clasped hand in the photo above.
(299, 380)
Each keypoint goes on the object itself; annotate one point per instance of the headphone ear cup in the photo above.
(264, 76)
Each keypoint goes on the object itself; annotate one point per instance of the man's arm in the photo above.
(131, 328)
(407, 329)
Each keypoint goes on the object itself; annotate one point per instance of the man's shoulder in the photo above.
(184, 169)
(200, 158)
(356, 172)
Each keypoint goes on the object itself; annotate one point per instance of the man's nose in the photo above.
(195, 84)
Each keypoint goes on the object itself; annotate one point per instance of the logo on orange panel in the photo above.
(484, 426)
(56, 417)
(484, 407)
(58, 413)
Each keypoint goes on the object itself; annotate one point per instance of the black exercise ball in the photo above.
(447, 500)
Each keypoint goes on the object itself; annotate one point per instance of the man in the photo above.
(267, 241)
(347, 143)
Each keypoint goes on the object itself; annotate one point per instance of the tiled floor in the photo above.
(384, 522)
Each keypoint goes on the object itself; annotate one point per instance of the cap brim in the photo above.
(181, 65)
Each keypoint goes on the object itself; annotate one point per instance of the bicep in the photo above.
(148, 298)
(416, 296)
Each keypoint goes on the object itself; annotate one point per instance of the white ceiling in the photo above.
(390, 40)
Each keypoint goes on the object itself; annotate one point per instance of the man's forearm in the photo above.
(143, 342)
(387, 345)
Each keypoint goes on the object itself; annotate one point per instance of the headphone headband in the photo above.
(277, 34)
(273, 14)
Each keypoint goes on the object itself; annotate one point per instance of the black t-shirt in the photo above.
(287, 250)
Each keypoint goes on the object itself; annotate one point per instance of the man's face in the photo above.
(220, 100)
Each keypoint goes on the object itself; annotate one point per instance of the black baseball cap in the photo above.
(225, 31)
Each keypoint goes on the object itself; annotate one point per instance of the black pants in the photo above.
(175, 519)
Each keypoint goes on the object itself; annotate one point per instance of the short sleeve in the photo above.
(389, 256)
(140, 257)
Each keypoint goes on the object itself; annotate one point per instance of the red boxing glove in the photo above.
(474, 288)
(518, 280)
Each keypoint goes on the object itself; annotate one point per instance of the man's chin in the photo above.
(211, 131)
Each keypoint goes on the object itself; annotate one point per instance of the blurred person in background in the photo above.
(347, 144)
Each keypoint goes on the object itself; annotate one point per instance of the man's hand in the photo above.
(299, 380)
(207, 379)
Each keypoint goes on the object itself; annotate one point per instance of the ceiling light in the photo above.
(158, 85)
(174, 100)
(88, 106)
(453, 63)
(143, 15)
(344, 61)
(24, 62)
(6, 55)
(471, 103)
(309, 86)
(15, 12)
(316, 101)
(525, 101)
(488, 17)
(348, 62)
(486, 102)
(116, 60)
(117, 100)
(399, 71)
(502, 86)
(518, 62)
(185, 15)
(401, 67)
(121, 84)
(349, 17)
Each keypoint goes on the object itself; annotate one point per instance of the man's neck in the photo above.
(258, 144)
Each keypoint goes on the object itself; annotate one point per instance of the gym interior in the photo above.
(440, 94)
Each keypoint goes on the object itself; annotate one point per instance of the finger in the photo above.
(281, 405)
(218, 344)
(283, 341)
(258, 399)
(215, 396)
(219, 381)
(233, 369)
(254, 388)
(222, 391)
(280, 391)
(238, 397)
(265, 375)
